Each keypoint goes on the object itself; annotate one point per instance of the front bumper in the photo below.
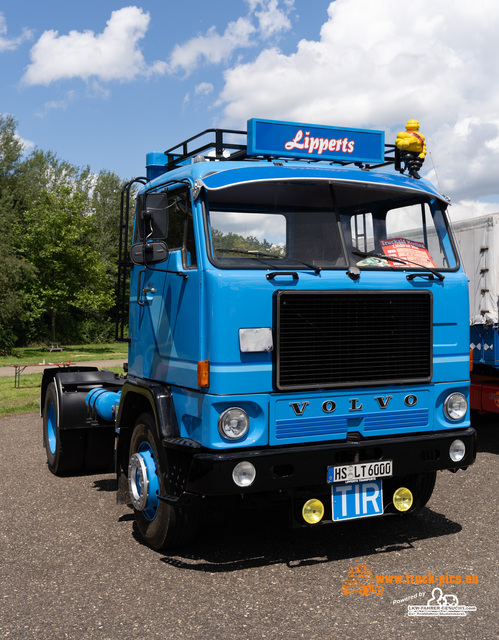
(290, 468)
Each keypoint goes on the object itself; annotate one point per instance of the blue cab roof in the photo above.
(219, 175)
(277, 150)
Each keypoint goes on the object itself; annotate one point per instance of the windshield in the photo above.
(326, 225)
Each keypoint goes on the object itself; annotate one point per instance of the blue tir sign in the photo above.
(317, 142)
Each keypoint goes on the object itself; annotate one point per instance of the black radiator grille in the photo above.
(333, 339)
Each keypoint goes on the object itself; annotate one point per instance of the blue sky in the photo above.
(102, 83)
(111, 122)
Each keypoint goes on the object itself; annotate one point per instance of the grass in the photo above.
(74, 353)
(25, 399)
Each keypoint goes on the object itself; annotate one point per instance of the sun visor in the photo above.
(226, 178)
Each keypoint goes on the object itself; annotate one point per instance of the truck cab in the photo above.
(298, 331)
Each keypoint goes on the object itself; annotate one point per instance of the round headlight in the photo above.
(455, 406)
(403, 499)
(233, 423)
(457, 451)
(244, 474)
(313, 511)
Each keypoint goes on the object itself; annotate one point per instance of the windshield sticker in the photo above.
(405, 249)
(373, 262)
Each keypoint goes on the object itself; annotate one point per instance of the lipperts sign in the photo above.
(314, 142)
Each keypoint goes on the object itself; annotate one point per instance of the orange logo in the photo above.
(360, 580)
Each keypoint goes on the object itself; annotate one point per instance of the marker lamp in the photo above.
(455, 406)
(233, 423)
(457, 451)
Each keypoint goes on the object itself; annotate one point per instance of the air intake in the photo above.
(342, 339)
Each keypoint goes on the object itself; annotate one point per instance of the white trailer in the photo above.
(478, 241)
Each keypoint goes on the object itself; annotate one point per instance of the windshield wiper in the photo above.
(309, 266)
(251, 252)
(382, 256)
(263, 254)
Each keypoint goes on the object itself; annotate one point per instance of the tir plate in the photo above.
(360, 471)
(357, 500)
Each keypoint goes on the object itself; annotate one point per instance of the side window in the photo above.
(166, 216)
(177, 209)
(181, 227)
(189, 255)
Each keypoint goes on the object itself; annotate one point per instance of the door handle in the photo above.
(139, 292)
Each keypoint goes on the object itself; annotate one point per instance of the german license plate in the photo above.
(357, 500)
(360, 471)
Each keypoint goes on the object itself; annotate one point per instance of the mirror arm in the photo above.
(177, 273)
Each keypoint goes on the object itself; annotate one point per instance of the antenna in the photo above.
(436, 173)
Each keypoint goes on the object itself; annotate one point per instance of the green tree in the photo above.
(44, 171)
(104, 198)
(15, 271)
(57, 242)
(104, 202)
(33, 187)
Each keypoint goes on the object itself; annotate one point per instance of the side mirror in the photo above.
(152, 216)
(144, 253)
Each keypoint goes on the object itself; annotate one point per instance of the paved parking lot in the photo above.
(72, 566)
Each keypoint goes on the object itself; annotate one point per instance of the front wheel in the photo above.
(421, 485)
(426, 484)
(161, 525)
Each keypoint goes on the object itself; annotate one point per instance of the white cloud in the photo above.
(266, 18)
(466, 209)
(27, 144)
(9, 44)
(113, 54)
(271, 18)
(378, 64)
(203, 89)
(211, 47)
(60, 105)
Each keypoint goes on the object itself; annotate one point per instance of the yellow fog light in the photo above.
(402, 499)
(313, 511)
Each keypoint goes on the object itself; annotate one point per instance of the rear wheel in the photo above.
(161, 525)
(65, 448)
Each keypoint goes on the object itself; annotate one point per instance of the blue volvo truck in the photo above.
(298, 329)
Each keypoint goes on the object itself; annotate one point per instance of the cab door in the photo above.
(164, 295)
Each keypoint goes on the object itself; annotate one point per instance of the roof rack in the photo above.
(219, 145)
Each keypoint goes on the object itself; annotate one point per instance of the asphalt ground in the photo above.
(73, 567)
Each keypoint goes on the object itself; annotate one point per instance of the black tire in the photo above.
(421, 485)
(65, 447)
(425, 486)
(162, 526)
(100, 450)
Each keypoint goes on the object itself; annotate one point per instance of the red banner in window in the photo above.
(406, 250)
